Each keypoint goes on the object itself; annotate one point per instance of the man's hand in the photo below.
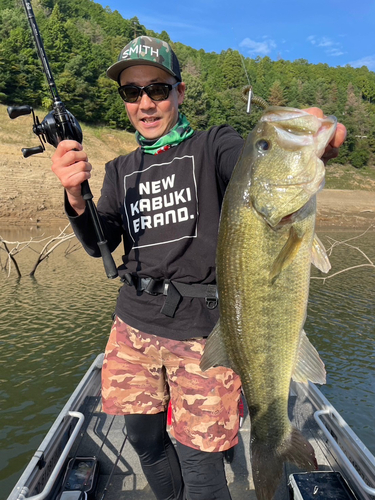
(332, 150)
(70, 164)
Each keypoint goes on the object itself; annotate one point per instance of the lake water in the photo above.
(53, 326)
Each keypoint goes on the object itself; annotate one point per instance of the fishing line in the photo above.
(244, 68)
(241, 56)
(249, 89)
(247, 94)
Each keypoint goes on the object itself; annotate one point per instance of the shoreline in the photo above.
(341, 209)
(336, 209)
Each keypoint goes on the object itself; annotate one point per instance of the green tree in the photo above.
(331, 106)
(82, 39)
(233, 71)
(360, 155)
(358, 125)
(56, 40)
(195, 105)
(22, 78)
(137, 28)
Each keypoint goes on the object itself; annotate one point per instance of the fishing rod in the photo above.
(57, 126)
(247, 94)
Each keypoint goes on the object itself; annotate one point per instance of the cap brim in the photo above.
(114, 71)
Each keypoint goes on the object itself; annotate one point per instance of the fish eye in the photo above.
(263, 145)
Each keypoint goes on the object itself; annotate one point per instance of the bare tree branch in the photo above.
(335, 243)
(42, 254)
(61, 238)
(10, 259)
(72, 248)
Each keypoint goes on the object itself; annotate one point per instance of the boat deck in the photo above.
(121, 477)
(83, 430)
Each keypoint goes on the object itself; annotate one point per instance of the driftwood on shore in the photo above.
(13, 248)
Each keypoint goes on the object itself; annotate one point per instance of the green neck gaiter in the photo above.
(179, 133)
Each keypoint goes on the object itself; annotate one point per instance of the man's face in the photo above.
(152, 119)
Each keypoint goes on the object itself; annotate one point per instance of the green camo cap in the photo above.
(146, 50)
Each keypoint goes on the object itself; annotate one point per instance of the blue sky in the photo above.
(336, 32)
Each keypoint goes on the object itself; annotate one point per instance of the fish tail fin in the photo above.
(267, 462)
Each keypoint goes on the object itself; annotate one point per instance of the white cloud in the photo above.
(368, 61)
(330, 47)
(335, 52)
(258, 48)
(325, 42)
(311, 39)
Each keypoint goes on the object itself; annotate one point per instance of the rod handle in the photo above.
(108, 262)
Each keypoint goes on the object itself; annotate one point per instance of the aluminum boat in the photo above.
(83, 434)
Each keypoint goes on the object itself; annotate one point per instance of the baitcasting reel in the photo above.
(59, 124)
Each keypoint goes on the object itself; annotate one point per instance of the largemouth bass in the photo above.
(265, 248)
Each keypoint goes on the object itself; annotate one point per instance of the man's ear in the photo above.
(181, 92)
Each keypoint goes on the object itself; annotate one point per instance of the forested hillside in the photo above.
(82, 39)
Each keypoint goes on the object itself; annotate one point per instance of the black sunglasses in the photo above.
(155, 91)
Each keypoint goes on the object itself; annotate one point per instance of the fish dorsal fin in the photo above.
(319, 257)
(214, 351)
(309, 366)
(287, 254)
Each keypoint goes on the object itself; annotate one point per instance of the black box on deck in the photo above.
(82, 475)
(319, 485)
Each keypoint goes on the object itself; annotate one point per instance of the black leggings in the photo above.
(187, 474)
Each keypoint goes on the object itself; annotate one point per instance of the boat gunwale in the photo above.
(348, 448)
(62, 426)
(31, 480)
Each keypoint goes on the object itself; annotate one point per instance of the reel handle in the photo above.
(26, 152)
(16, 111)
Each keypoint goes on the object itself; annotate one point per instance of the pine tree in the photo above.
(195, 105)
(276, 96)
(56, 40)
(233, 71)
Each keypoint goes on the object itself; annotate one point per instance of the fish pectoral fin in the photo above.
(319, 257)
(309, 366)
(214, 353)
(287, 254)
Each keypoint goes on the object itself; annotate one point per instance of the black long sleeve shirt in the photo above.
(166, 209)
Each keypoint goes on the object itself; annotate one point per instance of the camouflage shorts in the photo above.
(142, 372)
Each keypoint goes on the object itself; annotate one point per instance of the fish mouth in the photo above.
(297, 126)
(290, 172)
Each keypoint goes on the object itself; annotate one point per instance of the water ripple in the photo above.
(53, 326)
(340, 323)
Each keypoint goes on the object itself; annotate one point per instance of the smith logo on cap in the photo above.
(140, 50)
(149, 51)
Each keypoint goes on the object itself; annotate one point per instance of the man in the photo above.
(163, 201)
